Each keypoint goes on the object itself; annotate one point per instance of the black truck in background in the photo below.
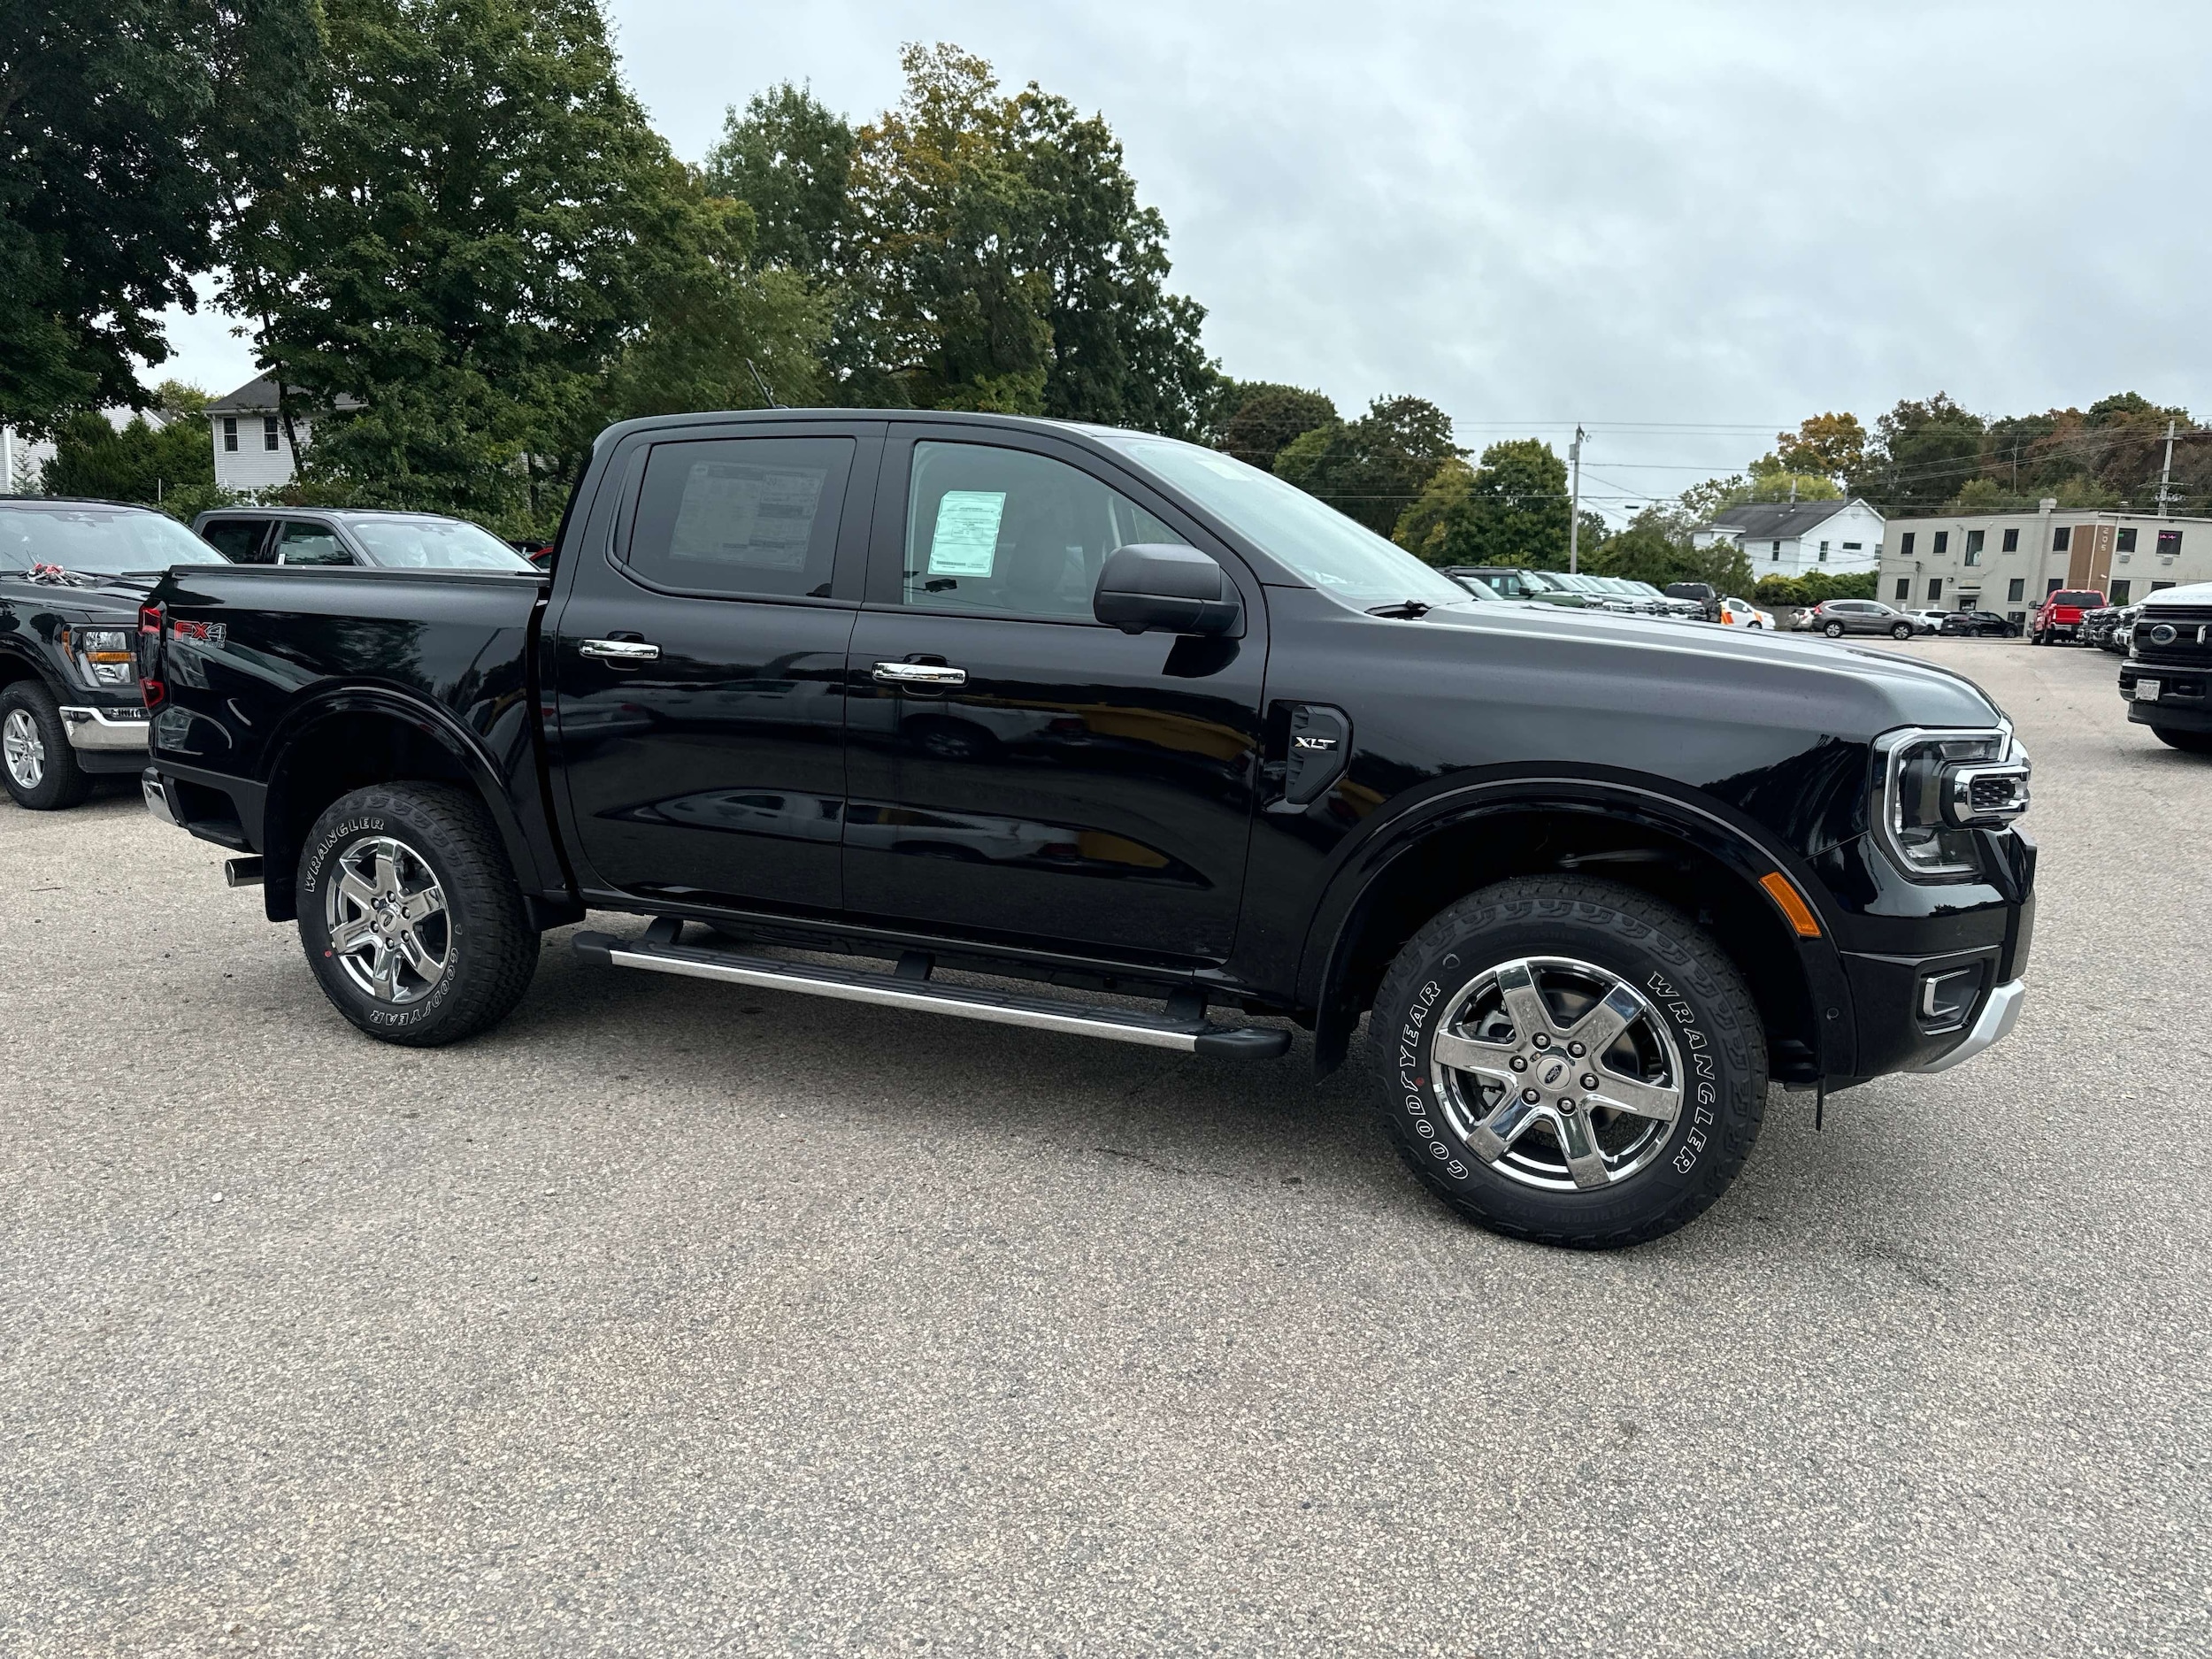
(1099, 712)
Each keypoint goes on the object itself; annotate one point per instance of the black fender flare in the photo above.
(1737, 844)
(437, 723)
(36, 668)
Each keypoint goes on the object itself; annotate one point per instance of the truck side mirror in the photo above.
(1161, 588)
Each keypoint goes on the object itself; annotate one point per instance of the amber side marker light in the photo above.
(1791, 903)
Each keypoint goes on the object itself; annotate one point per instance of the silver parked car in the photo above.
(1836, 618)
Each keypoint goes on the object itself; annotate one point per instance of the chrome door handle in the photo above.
(919, 674)
(621, 651)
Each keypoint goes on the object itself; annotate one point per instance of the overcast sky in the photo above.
(1647, 217)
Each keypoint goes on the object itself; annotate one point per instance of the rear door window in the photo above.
(742, 518)
(240, 540)
(311, 544)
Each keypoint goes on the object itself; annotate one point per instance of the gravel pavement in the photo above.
(675, 1319)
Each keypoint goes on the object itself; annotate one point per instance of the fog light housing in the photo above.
(1947, 997)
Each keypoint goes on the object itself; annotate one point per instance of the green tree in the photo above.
(1923, 454)
(1656, 548)
(1831, 446)
(167, 462)
(1510, 508)
(1000, 260)
(1259, 418)
(790, 160)
(478, 223)
(1774, 479)
(1374, 468)
(125, 127)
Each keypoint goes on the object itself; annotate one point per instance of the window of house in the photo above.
(1904, 545)
(2127, 539)
(1942, 541)
(2012, 540)
(1778, 550)
(1851, 546)
(1824, 552)
(2017, 588)
(1904, 585)
(2054, 584)
(2156, 586)
(2061, 538)
(2119, 594)
(268, 432)
(1935, 588)
(2169, 543)
(1973, 546)
(230, 435)
(751, 518)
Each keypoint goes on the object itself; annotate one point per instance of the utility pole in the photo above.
(2166, 473)
(1574, 512)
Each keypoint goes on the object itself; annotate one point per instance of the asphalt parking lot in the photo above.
(674, 1319)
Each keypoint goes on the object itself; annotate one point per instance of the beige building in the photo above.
(2006, 562)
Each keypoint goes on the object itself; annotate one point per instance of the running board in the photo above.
(910, 988)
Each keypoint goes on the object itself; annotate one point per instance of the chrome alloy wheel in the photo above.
(24, 750)
(1558, 1073)
(387, 922)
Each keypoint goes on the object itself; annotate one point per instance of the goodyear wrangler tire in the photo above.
(1570, 1062)
(410, 914)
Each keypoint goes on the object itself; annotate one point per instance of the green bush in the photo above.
(1813, 589)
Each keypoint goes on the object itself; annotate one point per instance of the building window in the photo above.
(2017, 588)
(1943, 542)
(2156, 586)
(1778, 550)
(1904, 545)
(1851, 546)
(2054, 584)
(2119, 594)
(268, 432)
(2012, 540)
(2062, 537)
(230, 435)
(1904, 586)
(1935, 588)
(1973, 546)
(2169, 543)
(2127, 539)
(1824, 552)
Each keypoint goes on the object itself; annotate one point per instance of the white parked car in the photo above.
(1741, 613)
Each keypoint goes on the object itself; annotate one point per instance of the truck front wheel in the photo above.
(1569, 1061)
(36, 762)
(410, 914)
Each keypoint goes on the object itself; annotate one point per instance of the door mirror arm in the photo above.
(1162, 587)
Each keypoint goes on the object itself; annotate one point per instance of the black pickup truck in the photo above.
(72, 575)
(1150, 731)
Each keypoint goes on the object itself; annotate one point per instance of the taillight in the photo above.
(154, 693)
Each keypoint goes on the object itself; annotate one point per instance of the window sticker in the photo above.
(734, 513)
(965, 541)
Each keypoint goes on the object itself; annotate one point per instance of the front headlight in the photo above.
(1935, 789)
(102, 655)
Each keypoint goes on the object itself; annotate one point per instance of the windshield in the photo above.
(1549, 582)
(1479, 588)
(1340, 557)
(435, 544)
(96, 541)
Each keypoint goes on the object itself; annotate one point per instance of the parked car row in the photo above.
(2109, 627)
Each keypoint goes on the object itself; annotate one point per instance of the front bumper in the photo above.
(108, 730)
(1999, 1014)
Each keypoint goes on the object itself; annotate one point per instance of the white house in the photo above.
(1798, 538)
(251, 450)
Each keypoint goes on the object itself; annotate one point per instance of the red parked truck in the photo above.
(2059, 616)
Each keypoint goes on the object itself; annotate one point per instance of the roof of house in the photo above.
(1779, 520)
(257, 396)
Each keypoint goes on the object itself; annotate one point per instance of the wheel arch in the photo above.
(1467, 837)
(16, 664)
(349, 739)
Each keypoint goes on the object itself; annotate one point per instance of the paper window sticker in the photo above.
(965, 541)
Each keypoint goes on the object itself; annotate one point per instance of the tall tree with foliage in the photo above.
(166, 461)
(999, 259)
(1256, 420)
(478, 224)
(1510, 509)
(790, 160)
(1372, 469)
(126, 126)
(1831, 446)
(1923, 454)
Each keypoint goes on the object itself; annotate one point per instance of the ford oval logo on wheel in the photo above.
(2163, 634)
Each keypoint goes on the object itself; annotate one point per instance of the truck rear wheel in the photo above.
(410, 914)
(36, 762)
(1569, 1061)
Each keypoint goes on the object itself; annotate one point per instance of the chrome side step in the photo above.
(909, 987)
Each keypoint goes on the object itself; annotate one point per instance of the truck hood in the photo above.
(1858, 691)
(2187, 594)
